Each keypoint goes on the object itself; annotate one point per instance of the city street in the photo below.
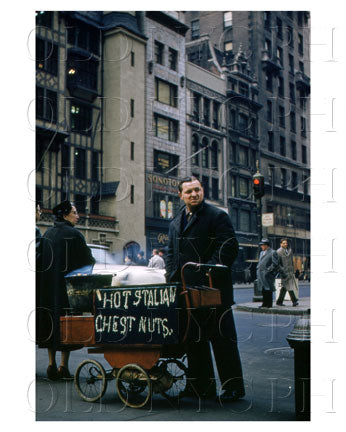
(267, 366)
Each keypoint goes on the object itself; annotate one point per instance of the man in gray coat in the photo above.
(287, 273)
(267, 268)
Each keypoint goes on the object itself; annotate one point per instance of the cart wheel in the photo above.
(133, 386)
(90, 380)
(179, 381)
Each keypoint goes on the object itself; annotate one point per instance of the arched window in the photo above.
(131, 250)
(214, 155)
(205, 153)
(194, 149)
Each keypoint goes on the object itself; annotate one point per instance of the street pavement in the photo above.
(268, 368)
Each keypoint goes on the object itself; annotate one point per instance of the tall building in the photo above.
(90, 123)
(165, 121)
(276, 47)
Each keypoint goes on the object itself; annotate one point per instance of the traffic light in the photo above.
(258, 185)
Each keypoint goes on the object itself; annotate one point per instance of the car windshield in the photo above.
(103, 256)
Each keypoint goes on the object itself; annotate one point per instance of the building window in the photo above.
(81, 118)
(83, 36)
(205, 184)
(283, 178)
(293, 121)
(95, 166)
(206, 111)
(232, 118)
(243, 122)
(227, 19)
(244, 221)
(294, 181)
(44, 19)
(243, 187)
(196, 107)
(228, 46)
(300, 44)
(268, 47)
(80, 163)
(269, 111)
(215, 189)
(82, 71)
(281, 87)
(290, 36)
(159, 47)
(243, 89)
(195, 29)
(233, 155)
(65, 160)
(279, 28)
(292, 93)
(214, 156)
(164, 162)
(304, 157)
(233, 185)
(282, 146)
(166, 128)
(165, 206)
(271, 174)
(132, 194)
(253, 127)
(95, 205)
(270, 141)
(301, 66)
(132, 151)
(291, 63)
(195, 149)
(132, 59)
(216, 112)
(269, 81)
(166, 93)
(267, 20)
(243, 156)
(234, 217)
(294, 150)
(205, 156)
(303, 126)
(80, 203)
(46, 104)
(173, 59)
(46, 56)
(282, 116)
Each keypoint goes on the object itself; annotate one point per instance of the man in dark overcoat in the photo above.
(204, 234)
(63, 249)
(288, 281)
(267, 269)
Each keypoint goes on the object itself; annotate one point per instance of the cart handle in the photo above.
(185, 291)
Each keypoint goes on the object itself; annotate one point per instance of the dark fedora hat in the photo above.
(264, 241)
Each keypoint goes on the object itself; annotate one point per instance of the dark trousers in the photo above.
(223, 338)
(267, 298)
(282, 296)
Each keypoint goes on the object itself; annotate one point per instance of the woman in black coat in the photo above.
(62, 249)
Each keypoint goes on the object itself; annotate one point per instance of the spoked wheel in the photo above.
(178, 371)
(90, 380)
(133, 386)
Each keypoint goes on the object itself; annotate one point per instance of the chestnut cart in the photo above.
(141, 331)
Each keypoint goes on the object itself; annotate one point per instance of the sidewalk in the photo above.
(303, 307)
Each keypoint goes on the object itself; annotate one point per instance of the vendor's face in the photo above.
(73, 216)
(192, 194)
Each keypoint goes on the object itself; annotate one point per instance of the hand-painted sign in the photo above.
(136, 315)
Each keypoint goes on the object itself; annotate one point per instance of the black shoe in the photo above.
(279, 304)
(52, 373)
(295, 304)
(64, 374)
(231, 396)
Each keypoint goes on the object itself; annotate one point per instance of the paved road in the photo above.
(268, 370)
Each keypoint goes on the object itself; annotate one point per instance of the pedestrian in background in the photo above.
(141, 261)
(62, 250)
(156, 261)
(286, 271)
(267, 269)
